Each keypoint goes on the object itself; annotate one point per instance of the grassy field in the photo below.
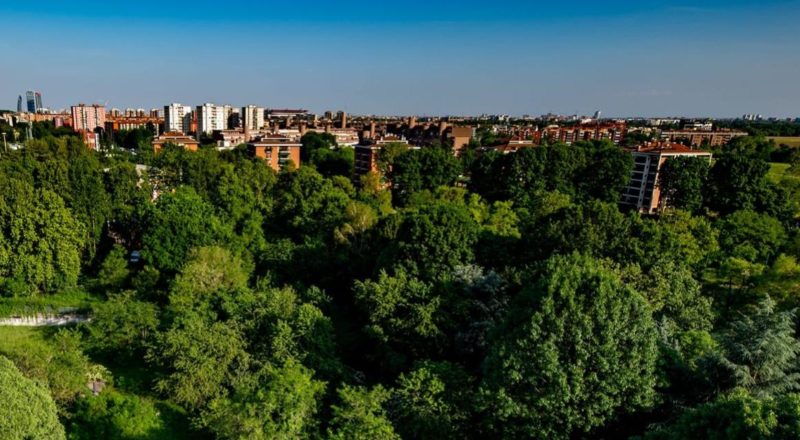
(793, 141)
(30, 305)
(779, 171)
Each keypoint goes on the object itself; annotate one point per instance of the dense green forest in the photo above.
(503, 296)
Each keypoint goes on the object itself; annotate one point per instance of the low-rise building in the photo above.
(643, 191)
(179, 139)
(277, 151)
(697, 138)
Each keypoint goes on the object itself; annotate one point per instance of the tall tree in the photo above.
(682, 181)
(582, 350)
(28, 411)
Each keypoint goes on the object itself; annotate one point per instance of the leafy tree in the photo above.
(313, 142)
(435, 239)
(200, 360)
(751, 236)
(278, 403)
(682, 181)
(737, 416)
(116, 416)
(123, 326)
(40, 240)
(400, 310)
(582, 351)
(608, 174)
(761, 351)
(114, 269)
(309, 205)
(738, 177)
(360, 415)
(426, 168)
(177, 223)
(433, 401)
(28, 411)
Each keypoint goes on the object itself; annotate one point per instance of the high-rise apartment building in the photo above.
(34, 101)
(252, 118)
(211, 117)
(177, 118)
(88, 118)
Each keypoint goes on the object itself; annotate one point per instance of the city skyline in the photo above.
(657, 58)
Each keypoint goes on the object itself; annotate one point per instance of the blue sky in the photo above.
(716, 58)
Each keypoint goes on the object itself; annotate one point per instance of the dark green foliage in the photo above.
(580, 350)
(178, 222)
(737, 416)
(682, 180)
(487, 296)
(417, 170)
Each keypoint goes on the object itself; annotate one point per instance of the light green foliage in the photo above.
(748, 235)
(209, 271)
(279, 403)
(26, 409)
(737, 416)
(201, 360)
(360, 415)
(582, 352)
(40, 240)
(123, 325)
(114, 269)
(116, 416)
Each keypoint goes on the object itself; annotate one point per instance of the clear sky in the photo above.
(647, 57)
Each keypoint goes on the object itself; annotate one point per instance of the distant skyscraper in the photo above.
(20, 109)
(34, 101)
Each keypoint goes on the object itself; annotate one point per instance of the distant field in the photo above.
(793, 141)
(778, 171)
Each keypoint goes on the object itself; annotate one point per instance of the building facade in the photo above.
(211, 117)
(88, 118)
(643, 191)
(276, 151)
(34, 101)
(177, 118)
(252, 118)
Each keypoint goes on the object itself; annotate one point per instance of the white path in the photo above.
(42, 320)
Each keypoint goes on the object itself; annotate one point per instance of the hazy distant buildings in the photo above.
(252, 118)
(698, 138)
(34, 101)
(88, 117)
(177, 118)
(643, 191)
(212, 117)
(20, 107)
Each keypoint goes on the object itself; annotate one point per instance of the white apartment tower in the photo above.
(252, 118)
(211, 117)
(177, 118)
